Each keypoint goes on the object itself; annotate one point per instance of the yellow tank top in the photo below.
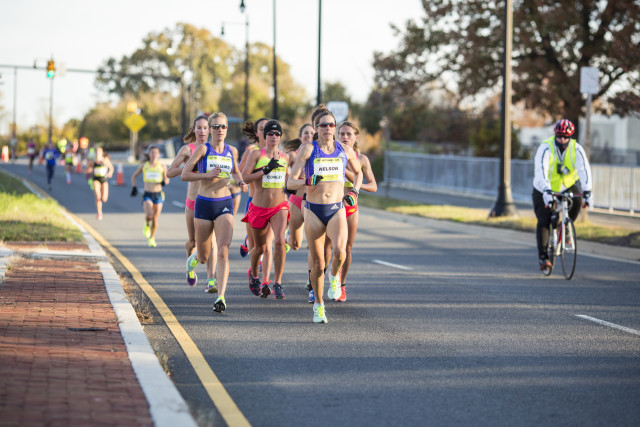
(152, 174)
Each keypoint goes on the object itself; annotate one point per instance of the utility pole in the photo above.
(504, 205)
(319, 96)
(275, 67)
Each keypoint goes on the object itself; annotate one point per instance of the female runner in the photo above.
(101, 170)
(154, 175)
(216, 162)
(267, 168)
(324, 162)
(197, 135)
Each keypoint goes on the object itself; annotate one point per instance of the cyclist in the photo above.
(560, 165)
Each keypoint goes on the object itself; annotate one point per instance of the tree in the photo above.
(459, 44)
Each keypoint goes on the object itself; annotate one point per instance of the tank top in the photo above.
(277, 177)
(212, 159)
(152, 174)
(330, 166)
(99, 170)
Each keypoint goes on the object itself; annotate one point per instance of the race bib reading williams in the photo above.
(224, 163)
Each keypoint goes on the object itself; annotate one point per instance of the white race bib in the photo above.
(224, 163)
(275, 179)
(331, 169)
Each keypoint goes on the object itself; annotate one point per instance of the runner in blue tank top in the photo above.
(324, 162)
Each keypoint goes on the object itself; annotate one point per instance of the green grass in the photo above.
(26, 217)
(584, 230)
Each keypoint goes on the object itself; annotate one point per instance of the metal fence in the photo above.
(614, 187)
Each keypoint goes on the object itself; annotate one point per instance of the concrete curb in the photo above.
(166, 405)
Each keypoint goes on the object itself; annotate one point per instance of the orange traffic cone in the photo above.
(5, 154)
(79, 167)
(120, 175)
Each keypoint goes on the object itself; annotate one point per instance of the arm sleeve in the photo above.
(541, 169)
(584, 168)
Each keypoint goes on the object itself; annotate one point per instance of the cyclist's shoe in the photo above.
(219, 306)
(312, 297)
(146, 230)
(192, 261)
(334, 291)
(568, 242)
(278, 290)
(254, 284)
(244, 249)
(211, 287)
(319, 315)
(192, 278)
(265, 290)
(152, 242)
(544, 262)
(308, 285)
(343, 295)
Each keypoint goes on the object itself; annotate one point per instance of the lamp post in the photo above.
(275, 68)
(246, 58)
(504, 205)
(319, 97)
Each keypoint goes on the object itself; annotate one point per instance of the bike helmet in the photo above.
(564, 127)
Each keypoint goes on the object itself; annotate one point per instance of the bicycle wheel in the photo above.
(569, 254)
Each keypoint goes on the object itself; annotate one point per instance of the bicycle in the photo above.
(562, 235)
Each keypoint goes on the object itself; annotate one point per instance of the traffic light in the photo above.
(51, 68)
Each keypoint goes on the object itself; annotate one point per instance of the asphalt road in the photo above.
(462, 330)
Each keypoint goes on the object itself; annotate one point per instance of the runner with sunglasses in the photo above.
(197, 135)
(267, 168)
(323, 163)
(216, 163)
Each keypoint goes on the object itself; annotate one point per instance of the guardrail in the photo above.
(614, 187)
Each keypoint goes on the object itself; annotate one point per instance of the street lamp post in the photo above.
(319, 97)
(246, 58)
(275, 69)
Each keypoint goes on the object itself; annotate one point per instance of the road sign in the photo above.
(135, 122)
(589, 80)
(340, 110)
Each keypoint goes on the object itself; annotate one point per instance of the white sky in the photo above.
(84, 33)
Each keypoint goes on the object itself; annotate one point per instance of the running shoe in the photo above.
(334, 291)
(312, 297)
(265, 290)
(244, 248)
(146, 230)
(318, 313)
(254, 283)
(219, 306)
(211, 287)
(192, 278)
(343, 295)
(287, 246)
(99, 216)
(260, 264)
(278, 290)
(152, 242)
(192, 261)
(308, 285)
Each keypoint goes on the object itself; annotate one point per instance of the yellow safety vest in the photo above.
(567, 179)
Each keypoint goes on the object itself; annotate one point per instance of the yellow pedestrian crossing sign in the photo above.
(135, 122)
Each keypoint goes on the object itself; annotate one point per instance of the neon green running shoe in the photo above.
(211, 287)
(219, 306)
(192, 261)
(334, 291)
(152, 242)
(146, 230)
(318, 313)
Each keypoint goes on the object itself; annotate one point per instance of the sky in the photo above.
(82, 34)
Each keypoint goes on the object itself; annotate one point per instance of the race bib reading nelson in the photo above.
(224, 163)
(331, 169)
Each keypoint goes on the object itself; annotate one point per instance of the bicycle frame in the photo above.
(562, 237)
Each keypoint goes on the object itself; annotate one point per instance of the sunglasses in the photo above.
(324, 125)
(219, 126)
(273, 134)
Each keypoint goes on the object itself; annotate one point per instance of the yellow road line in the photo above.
(218, 394)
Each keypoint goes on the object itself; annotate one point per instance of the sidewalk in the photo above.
(67, 352)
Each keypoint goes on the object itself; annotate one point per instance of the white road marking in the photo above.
(609, 324)
(388, 264)
(178, 204)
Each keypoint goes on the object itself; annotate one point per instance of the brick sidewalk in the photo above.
(62, 358)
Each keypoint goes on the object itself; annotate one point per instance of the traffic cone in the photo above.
(5, 154)
(120, 175)
(79, 167)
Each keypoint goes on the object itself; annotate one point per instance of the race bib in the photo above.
(100, 171)
(153, 176)
(48, 155)
(224, 163)
(31, 151)
(331, 169)
(275, 179)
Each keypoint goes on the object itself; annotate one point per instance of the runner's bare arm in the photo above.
(249, 166)
(295, 182)
(187, 171)
(175, 169)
